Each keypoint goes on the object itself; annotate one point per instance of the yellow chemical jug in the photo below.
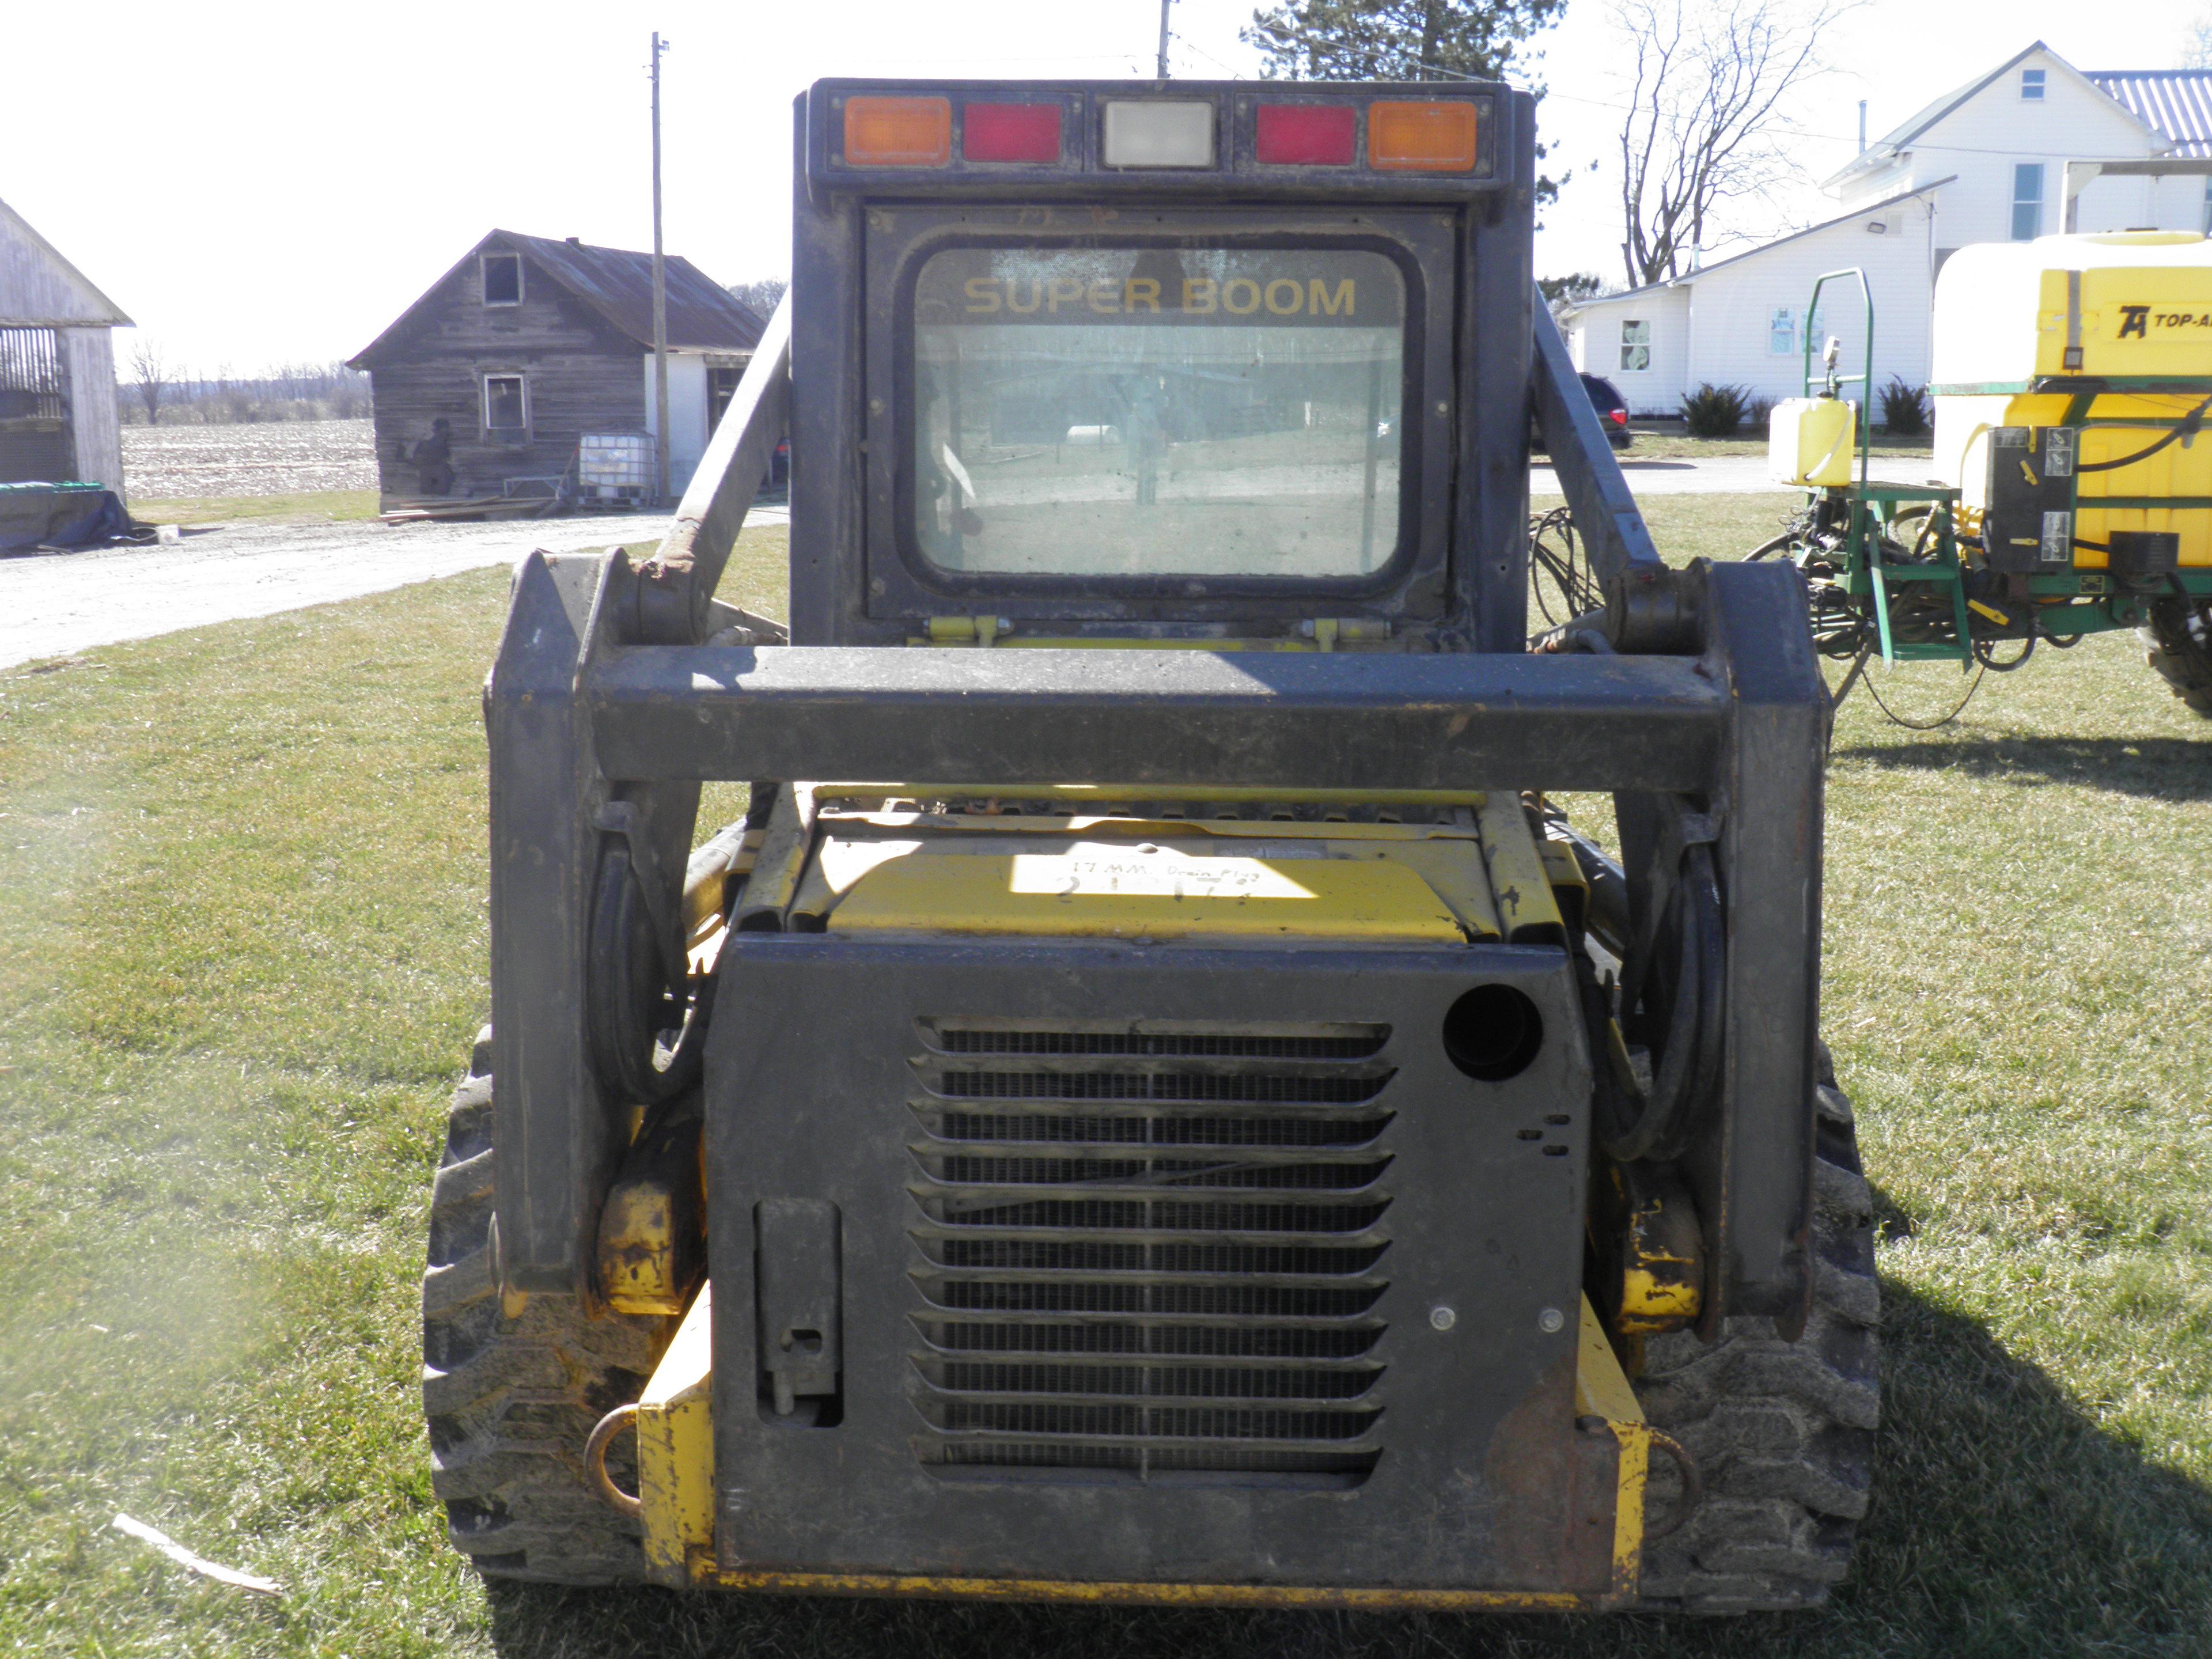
(1808, 442)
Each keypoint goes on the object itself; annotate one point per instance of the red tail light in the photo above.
(1310, 135)
(1620, 417)
(1010, 133)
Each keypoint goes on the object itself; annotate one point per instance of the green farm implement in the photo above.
(2074, 497)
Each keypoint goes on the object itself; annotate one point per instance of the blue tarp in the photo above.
(35, 515)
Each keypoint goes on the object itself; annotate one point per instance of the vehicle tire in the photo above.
(2178, 645)
(511, 1399)
(1782, 1433)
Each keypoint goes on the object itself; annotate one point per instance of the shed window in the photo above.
(2031, 86)
(2026, 201)
(503, 279)
(507, 404)
(1635, 345)
(1782, 331)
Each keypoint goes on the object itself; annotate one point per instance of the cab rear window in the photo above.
(1150, 412)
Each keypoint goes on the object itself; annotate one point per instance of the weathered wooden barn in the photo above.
(485, 384)
(57, 416)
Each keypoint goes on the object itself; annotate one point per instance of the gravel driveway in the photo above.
(52, 605)
(1724, 475)
(55, 604)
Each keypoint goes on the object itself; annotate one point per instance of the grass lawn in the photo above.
(312, 506)
(242, 954)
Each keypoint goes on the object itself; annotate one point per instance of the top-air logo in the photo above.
(2136, 321)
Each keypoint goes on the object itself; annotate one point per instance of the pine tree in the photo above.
(1396, 40)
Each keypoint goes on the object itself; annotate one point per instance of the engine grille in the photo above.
(1152, 1254)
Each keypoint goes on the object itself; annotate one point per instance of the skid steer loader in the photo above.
(1154, 1103)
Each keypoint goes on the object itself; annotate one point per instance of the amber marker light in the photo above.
(898, 132)
(1421, 137)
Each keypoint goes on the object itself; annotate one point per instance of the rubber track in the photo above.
(511, 1401)
(1782, 1432)
(2181, 658)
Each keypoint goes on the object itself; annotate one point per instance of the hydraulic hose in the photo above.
(2188, 427)
(646, 1036)
(1689, 1063)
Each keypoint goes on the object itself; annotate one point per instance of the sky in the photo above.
(261, 183)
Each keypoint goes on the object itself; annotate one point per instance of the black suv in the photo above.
(1612, 412)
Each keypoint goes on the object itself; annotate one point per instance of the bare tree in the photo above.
(1710, 97)
(760, 295)
(2197, 45)
(149, 374)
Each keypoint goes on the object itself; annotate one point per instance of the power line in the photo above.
(1190, 46)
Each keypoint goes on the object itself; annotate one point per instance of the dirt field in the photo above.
(276, 459)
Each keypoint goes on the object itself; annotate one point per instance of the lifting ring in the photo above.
(595, 1461)
(1693, 1485)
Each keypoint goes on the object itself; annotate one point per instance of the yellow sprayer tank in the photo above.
(1812, 441)
(2094, 332)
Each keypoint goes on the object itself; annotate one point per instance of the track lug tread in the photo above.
(510, 1401)
(1782, 1431)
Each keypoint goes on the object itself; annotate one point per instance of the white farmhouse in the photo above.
(1988, 162)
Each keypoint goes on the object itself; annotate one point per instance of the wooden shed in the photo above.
(485, 386)
(57, 416)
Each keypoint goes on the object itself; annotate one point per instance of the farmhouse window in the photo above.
(507, 406)
(1782, 331)
(2026, 201)
(1635, 345)
(503, 279)
(2031, 86)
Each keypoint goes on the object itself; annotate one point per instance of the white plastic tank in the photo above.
(614, 465)
(2007, 312)
(2111, 334)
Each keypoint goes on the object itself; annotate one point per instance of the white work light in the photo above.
(1158, 133)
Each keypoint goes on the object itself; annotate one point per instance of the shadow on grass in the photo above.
(2005, 1524)
(2161, 768)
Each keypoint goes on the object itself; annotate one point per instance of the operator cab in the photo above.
(1189, 361)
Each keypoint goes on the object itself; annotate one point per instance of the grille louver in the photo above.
(1150, 1255)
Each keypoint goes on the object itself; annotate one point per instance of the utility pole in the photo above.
(1165, 4)
(660, 298)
